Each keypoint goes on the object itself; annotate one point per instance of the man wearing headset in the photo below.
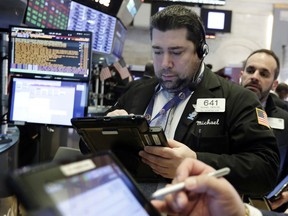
(205, 116)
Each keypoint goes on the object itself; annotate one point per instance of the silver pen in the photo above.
(179, 186)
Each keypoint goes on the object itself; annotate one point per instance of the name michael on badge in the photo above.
(208, 122)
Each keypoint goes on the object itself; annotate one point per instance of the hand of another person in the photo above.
(117, 112)
(277, 203)
(165, 160)
(203, 195)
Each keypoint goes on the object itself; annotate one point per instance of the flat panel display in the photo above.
(50, 52)
(83, 18)
(45, 101)
(119, 39)
(110, 7)
(215, 20)
(91, 185)
(48, 13)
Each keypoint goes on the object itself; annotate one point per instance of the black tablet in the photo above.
(125, 136)
(91, 185)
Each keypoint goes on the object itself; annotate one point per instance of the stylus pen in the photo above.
(179, 186)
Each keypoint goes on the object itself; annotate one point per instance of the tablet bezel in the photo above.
(28, 183)
(125, 136)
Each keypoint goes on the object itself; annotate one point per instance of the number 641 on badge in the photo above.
(210, 105)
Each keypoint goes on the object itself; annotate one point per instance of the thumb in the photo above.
(173, 143)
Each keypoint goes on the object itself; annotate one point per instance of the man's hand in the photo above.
(165, 160)
(117, 112)
(277, 203)
(203, 195)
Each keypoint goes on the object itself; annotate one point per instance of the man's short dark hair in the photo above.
(176, 17)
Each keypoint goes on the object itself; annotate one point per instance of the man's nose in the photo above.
(167, 61)
(255, 76)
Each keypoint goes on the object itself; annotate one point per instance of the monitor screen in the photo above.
(46, 101)
(215, 20)
(50, 52)
(119, 39)
(110, 7)
(47, 13)
(84, 18)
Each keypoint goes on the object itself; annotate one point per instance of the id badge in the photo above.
(210, 105)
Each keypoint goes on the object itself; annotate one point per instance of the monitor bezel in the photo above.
(51, 76)
(15, 122)
(227, 22)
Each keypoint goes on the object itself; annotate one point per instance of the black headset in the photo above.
(203, 48)
(202, 51)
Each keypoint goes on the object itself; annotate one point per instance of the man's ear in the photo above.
(274, 85)
(240, 77)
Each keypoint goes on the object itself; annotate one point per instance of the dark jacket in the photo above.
(281, 134)
(279, 102)
(235, 140)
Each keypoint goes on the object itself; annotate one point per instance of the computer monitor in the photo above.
(215, 20)
(50, 52)
(119, 39)
(47, 13)
(46, 101)
(84, 18)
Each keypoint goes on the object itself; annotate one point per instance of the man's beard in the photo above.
(262, 95)
(175, 86)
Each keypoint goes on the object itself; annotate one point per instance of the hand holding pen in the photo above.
(203, 195)
(180, 186)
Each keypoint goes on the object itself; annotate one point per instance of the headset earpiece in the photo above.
(203, 48)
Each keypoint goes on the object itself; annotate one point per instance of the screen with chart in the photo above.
(50, 52)
(119, 39)
(47, 13)
(46, 101)
(83, 18)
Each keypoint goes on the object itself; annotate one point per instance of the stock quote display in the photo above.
(48, 52)
(48, 13)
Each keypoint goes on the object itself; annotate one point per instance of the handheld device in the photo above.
(276, 193)
(125, 136)
(91, 185)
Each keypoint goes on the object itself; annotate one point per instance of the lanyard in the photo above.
(170, 104)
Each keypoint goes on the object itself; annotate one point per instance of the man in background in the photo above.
(281, 94)
(282, 91)
(260, 73)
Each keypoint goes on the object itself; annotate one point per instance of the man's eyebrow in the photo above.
(156, 47)
(170, 48)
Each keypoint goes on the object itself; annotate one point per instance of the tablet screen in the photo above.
(92, 185)
(99, 190)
